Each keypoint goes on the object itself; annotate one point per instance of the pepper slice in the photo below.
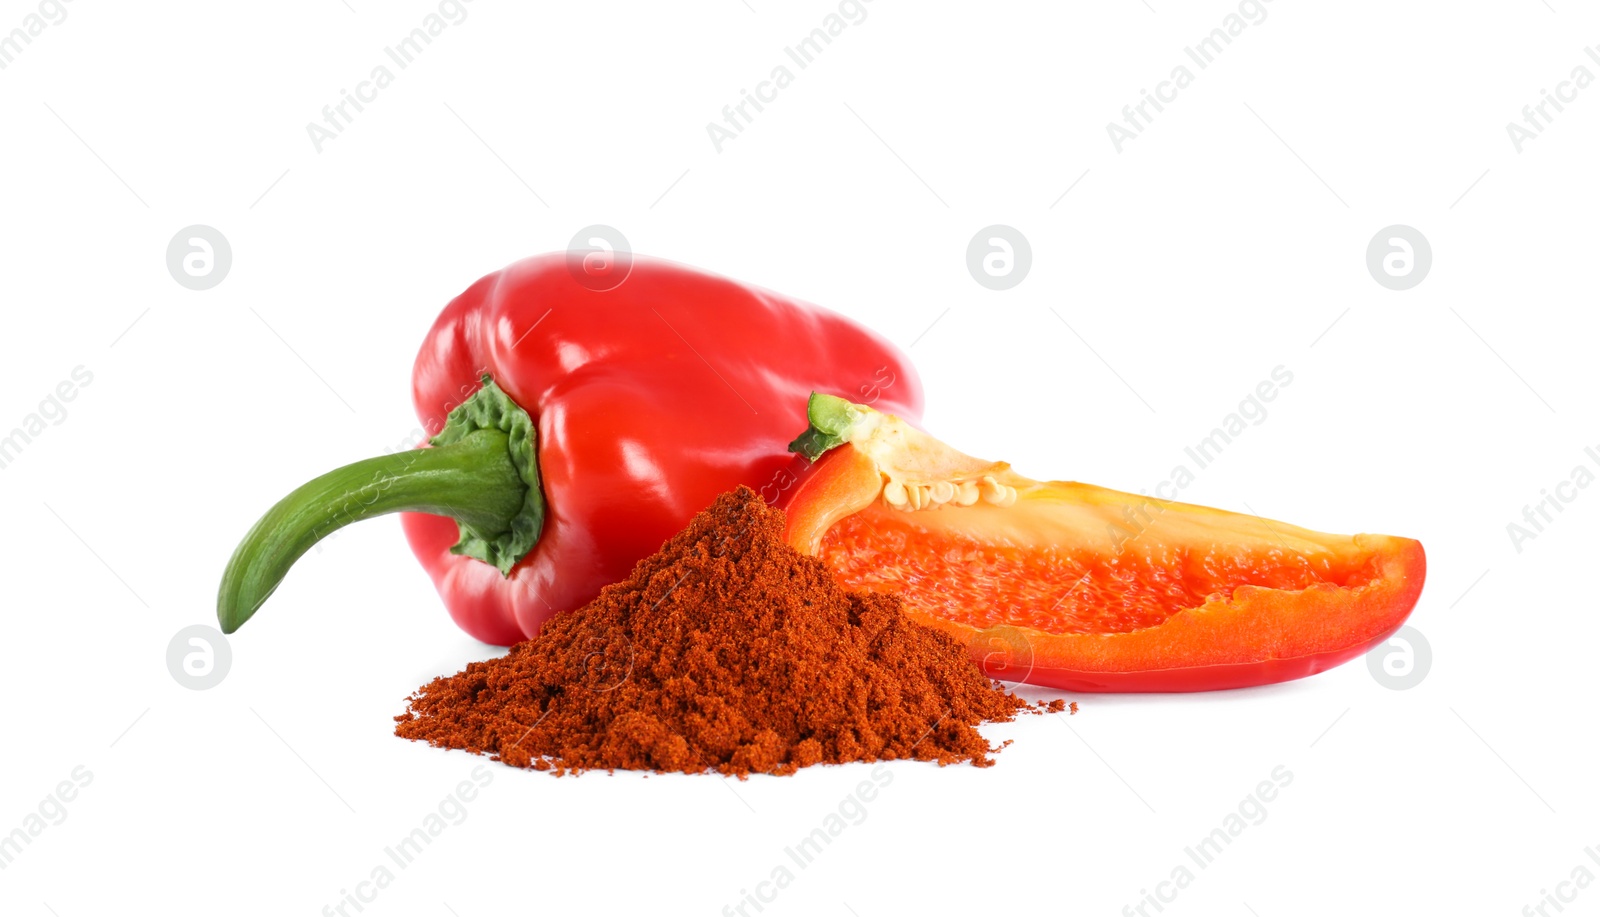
(1077, 587)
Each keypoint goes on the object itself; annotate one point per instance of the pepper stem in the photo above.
(482, 471)
(832, 420)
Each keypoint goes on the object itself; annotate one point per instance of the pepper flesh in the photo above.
(1082, 588)
(645, 402)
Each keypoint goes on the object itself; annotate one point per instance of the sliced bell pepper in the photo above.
(1082, 588)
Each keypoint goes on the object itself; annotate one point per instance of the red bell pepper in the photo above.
(612, 418)
(1077, 587)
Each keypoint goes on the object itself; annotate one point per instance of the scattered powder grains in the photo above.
(727, 651)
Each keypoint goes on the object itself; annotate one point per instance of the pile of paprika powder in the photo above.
(726, 651)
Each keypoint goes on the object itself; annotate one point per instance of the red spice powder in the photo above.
(727, 651)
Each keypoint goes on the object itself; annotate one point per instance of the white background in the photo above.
(1226, 240)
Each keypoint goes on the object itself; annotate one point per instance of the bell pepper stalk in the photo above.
(574, 430)
(1077, 587)
(483, 472)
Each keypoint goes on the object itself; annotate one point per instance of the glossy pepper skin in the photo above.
(647, 400)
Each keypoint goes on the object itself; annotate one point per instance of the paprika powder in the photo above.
(726, 651)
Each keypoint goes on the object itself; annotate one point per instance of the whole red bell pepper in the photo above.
(575, 430)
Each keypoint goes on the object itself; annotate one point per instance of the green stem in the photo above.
(831, 419)
(482, 472)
